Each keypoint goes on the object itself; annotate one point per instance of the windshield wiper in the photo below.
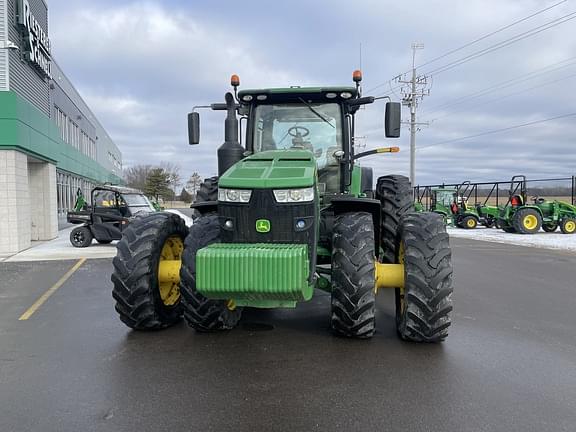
(317, 113)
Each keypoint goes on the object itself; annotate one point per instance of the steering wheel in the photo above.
(294, 132)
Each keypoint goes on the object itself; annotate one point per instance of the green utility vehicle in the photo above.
(518, 216)
(291, 211)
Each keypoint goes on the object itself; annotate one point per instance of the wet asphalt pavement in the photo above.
(508, 365)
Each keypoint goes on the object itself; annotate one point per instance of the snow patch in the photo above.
(544, 240)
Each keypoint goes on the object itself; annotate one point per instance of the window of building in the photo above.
(67, 186)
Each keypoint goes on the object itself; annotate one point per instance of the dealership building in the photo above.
(51, 144)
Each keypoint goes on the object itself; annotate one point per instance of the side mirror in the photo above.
(392, 119)
(193, 128)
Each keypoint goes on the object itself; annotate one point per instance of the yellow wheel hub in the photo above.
(570, 226)
(471, 223)
(169, 270)
(530, 222)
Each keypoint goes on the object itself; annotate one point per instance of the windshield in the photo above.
(136, 200)
(312, 126)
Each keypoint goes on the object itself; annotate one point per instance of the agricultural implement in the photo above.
(519, 216)
(291, 211)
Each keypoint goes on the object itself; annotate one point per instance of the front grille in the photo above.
(282, 217)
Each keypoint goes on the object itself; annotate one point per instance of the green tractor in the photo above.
(291, 211)
(518, 216)
(465, 216)
(441, 202)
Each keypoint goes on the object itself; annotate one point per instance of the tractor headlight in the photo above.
(294, 195)
(234, 195)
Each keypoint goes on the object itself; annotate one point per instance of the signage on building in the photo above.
(37, 44)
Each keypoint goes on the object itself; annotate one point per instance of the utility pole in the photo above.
(414, 91)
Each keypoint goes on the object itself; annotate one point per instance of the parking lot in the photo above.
(509, 363)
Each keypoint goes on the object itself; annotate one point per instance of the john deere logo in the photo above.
(263, 225)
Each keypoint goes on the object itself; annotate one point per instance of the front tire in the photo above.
(142, 300)
(423, 314)
(201, 313)
(568, 226)
(468, 222)
(81, 237)
(353, 276)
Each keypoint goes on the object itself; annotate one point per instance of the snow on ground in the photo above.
(544, 240)
(61, 249)
(187, 219)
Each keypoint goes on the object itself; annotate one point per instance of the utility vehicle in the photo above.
(112, 208)
(291, 211)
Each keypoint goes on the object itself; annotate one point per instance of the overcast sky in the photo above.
(142, 65)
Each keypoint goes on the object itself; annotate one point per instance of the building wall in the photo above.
(42, 191)
(15, 227)
(3, 39)
(24, 79)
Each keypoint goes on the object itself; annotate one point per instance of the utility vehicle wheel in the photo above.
(423, 307)
(527, 221)
(353, 275)
(550, 227)
(396, 198)
(81, 237)
(468, 222)
(148, 256)
(568, 226)
(201, 313)
(104, 241)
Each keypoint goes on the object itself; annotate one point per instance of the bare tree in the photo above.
(137, 175)
(193, 184)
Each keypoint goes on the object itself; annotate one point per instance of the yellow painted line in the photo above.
(50, 291)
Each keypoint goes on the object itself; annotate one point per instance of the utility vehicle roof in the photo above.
(291, 94)
(119, 189)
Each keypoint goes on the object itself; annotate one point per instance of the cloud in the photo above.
(142, 66)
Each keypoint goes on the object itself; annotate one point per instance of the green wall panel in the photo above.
(25, 128)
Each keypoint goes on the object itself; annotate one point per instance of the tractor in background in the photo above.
(291, 212)
(441, 202)
(519, 216)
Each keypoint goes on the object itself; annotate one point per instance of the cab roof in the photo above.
(292, 94)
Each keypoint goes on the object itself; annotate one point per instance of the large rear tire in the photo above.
(423, 314)
(353, 276)
(208, 192)
(527, 221)
(396, 199)
(142, 300)
(201, 313)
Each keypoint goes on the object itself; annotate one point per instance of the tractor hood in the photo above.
(273, 169)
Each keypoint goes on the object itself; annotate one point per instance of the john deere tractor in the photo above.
(519, 216)
(290, 212)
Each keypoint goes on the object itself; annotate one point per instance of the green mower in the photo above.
(518, 216)
(291, 212)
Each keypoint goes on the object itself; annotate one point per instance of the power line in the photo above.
(503, 84)
(497, 131)
(506, 27)
(504, 43)
(512, 94)
(474, 41)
